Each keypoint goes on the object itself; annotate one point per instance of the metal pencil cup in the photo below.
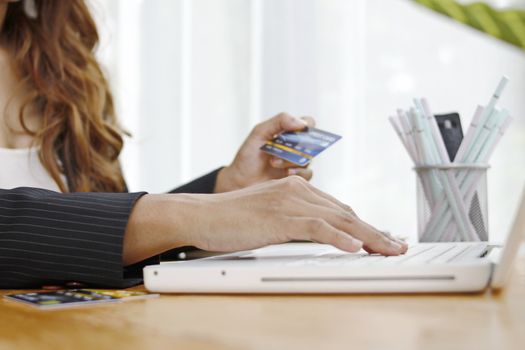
(452, 202)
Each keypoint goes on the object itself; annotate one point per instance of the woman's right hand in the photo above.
(272, 212)
(279, 211)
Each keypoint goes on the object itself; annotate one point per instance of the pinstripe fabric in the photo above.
(48, 237)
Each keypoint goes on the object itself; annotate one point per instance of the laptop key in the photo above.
(429, 254)
(473, 252)
(424, 253)
(412, 252)
(453, 253)
(325, 260)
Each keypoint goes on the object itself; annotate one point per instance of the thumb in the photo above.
(280, 123)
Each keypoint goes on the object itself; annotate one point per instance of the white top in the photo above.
(22, 168)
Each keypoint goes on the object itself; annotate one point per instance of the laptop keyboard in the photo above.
(440, 253)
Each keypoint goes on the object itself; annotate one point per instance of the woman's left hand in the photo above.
(252, 166)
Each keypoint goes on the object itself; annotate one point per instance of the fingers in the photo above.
(310, 122)
(320, 231)
(394, 238)
(291, 169)
(370, 228)
(320, 197)
(380, 239)
(376, 241)
(400, 242)
(333, 200)
(280, 163)
(341, 216)
(373, 240)
(281, 122)
(305, 173)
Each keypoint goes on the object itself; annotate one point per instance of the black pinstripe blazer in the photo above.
(53, 238)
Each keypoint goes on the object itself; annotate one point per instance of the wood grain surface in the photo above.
(473, 321)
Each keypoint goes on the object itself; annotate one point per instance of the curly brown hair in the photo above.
(54, 57)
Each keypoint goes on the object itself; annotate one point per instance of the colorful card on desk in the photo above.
(76, 297)
(300, 147)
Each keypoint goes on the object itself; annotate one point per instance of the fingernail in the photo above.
(395, 245)
(358, 244)
(299, 123)
(400, 242)
(292, 171)
(277, 162)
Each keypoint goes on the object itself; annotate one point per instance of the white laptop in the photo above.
(317, 268)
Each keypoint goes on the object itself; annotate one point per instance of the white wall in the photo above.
(191, 77)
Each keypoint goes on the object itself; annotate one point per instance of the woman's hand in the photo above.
(252, 166)
(268, 213)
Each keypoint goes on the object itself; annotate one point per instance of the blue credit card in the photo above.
(300, 147)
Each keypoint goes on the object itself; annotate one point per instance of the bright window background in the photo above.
(192, 77)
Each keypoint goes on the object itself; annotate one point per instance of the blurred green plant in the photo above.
(507, 25)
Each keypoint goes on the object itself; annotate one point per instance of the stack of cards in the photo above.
(76, 297)
(300, 147)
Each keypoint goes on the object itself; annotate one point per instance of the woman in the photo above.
(64, 211)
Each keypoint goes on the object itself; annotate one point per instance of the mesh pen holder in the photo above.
(452, 202)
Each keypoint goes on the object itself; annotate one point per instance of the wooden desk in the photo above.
(481, 321)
